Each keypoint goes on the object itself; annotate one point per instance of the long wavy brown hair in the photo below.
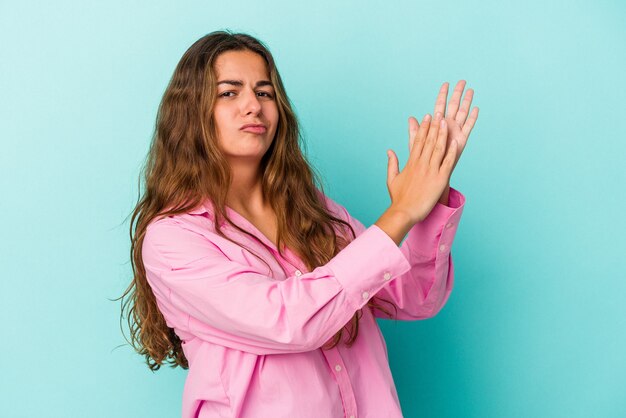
(184, 167)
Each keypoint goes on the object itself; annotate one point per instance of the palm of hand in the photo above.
(458, 117)
(455, 132)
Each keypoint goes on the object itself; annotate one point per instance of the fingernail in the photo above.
(427, 117)
(442, 123)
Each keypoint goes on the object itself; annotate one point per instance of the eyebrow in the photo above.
(239, 83)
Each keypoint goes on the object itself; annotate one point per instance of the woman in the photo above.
(248, 275)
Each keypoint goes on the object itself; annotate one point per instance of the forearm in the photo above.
(395, 223)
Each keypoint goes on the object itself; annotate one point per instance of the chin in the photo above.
(249, 154)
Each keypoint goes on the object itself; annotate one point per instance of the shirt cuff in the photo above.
(367, 264)
(434, 235)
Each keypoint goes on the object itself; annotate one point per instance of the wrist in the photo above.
(396, 222)
(444, 198)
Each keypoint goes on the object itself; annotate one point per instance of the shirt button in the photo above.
(351, 416)
(442, 247)
(298, 273)
(387, 275)
(338, 368)
(365, 295)
(449, 226)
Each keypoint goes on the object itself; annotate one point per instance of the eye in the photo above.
(267, 94)
(224, 94)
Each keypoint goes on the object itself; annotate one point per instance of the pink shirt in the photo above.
(253, 336)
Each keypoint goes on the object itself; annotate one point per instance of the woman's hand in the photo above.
(415, 191)
(459, 124)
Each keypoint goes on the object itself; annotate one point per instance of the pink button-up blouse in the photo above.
(252, 336)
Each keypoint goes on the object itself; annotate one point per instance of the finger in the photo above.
(418, 144)
(455, 100)
(447, 165)
(392, 167)
(413, 128)
(429, 144)
(467, 101)
(440, 145)
(470, 122)
(440, 103)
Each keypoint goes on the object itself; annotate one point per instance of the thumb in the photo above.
(392, 167)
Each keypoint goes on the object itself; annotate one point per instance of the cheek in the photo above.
(224, 127)
(220, 119)
(272, 114)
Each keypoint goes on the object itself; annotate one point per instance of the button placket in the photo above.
(444, 247)
(337, 367)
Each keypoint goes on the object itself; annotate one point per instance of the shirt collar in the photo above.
(206, 208)
(199, 210)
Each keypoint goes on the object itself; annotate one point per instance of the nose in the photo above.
(251, 103)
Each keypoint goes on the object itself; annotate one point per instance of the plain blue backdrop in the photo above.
(536, 324)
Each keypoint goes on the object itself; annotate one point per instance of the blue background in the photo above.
(535, 325)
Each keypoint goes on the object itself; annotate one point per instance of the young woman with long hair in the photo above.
(247, 274)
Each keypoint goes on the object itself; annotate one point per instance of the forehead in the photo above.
(241, 65)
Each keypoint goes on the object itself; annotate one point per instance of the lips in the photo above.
(254, 128)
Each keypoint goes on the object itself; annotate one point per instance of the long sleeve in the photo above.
(202, 292)
(423, 290)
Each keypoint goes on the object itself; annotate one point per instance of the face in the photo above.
(245, 96)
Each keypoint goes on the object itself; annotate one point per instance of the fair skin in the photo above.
(459, 119)
(434, 150)
(417, 188)
(245, 96)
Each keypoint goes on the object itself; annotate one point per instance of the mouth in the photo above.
(254, 128)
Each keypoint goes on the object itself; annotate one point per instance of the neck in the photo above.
(245, 193)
